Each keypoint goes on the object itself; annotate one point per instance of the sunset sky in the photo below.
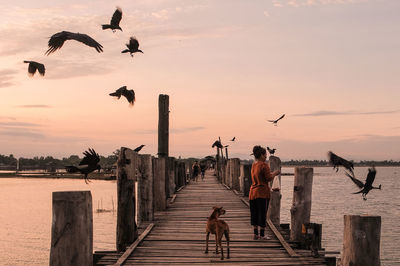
(332, 66)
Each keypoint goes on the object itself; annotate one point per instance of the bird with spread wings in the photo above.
(336, 161)
(128, 94)
(114, 23)
(33, 66)
(367, 186)
(57, 41)
(275, 122)
(133, 46)
(88, 164)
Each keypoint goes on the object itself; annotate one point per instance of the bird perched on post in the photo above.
(133, 46)
(218, 144)
(33, 66)
(367, 186)
(336, 161)
(123, 91)
(57, 41)
(275, 122)
(88, 164)
(271, 151)
(138, 148)
(233, 139)
(114, 23)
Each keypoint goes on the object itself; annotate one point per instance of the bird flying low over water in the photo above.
(233, 139)
(57, 41)
(138, 148)
(114, 24)
(218, 144)
(271, 151)
(275, 122)
(336, 161)
(133, 46)
(123, 91)
(33, 66)
(88, 164)
(367, 186)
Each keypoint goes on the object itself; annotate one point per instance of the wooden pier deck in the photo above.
(178, 235)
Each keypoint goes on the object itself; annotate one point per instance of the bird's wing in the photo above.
(41, 68)
(133, 43)
(271, 121)
(355, 180)
(130, 96)
(116, 18)
(370, 177)
(91, 158)
(280, 118)
(32, 68)
(86, 39)
(57, 41)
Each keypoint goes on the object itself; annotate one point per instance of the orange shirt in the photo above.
(260, 176)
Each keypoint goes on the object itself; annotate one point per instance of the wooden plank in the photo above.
(132, 247)
(288, 248)
(173, 199)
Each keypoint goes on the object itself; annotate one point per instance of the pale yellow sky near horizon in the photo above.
(331, 66)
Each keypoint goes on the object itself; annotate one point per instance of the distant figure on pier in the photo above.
(271, 151)
(203, 170)
(365, 188)
(128, 94)
(336, 161)
(88, 164)
(260, 194)
(275, 122)
(138, 148)
(195, 171)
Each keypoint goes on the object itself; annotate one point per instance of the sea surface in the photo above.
(26, 212)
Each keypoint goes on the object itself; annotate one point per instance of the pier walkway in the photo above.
(178, 236)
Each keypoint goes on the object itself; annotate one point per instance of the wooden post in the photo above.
(170, 173)
(235, 173)
(228, 177)
(126, 211)
(72, 229)
(274, 209)
(361, 240)
(145, 189)
(160, 200)
(246, 175)
(301, 206)
(163, 125)
(218, 166)
(226, 153)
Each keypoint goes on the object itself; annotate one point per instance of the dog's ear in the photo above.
(215, 207)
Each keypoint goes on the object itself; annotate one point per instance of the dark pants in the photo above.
(258, 211)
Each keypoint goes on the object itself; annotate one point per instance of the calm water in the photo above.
(25, 212)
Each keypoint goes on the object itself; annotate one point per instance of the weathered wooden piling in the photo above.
(361, 240)
(301, 206)
(160, 199)
(235, 173)
(245, 176)
(170, 176)
(145, 189)
(274, 209)
(180, 174)
(163, 125)
(72, 229)
(126, 177)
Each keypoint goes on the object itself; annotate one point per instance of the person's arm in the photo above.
(268, 175)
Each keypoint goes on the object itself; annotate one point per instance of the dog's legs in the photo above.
(220, 245)
(226, 233)
(216, 243)
(207, 237)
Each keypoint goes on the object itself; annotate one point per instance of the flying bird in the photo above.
(138, 148)
(133, 46)
(57, 41)
(123, 91)
(233, 139)
(365, 188)
(88, 164)
(218, 144)
(336, 161)
(275, 122)
(114, 24)
(33, 66)
(271, 151)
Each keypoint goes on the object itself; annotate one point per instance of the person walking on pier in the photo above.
(195, 170)
(259, 194)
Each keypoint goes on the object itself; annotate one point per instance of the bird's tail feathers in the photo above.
(125, 51)
(358, 192)
(71, 169)
(105, 26)
(116, 94)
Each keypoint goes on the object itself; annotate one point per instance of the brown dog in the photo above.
(218, 228)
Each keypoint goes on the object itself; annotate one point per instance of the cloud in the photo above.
(18, 124)
(330, 113)
(21, 132)
(34, 106)
(172, 131)
(301, 3)
(266, 13)
(6, 77)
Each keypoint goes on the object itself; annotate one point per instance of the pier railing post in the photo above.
(145, 189)
(170, 176)
(126, 211)
(361, 240)
(235, 173)
(160, 199)
(72, 229)
(245, 176)
(274, 209)
(163, 125)
(301, 206)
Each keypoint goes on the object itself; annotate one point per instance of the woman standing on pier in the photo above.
(259, 194)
